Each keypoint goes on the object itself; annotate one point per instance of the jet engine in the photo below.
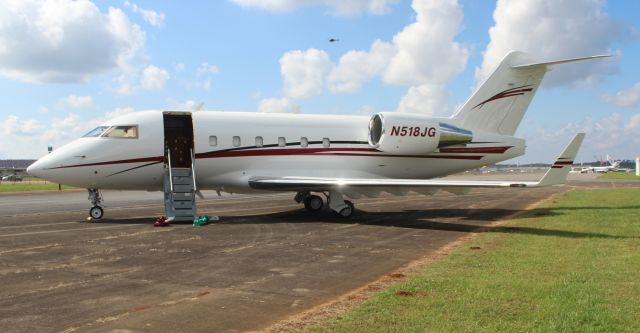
(413, 134)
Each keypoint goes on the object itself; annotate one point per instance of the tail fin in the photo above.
(502, 100)
(558, 172)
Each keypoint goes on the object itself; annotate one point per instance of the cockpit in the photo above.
(119, 132)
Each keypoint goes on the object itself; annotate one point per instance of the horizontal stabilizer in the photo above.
(559, 171)
(564, 61)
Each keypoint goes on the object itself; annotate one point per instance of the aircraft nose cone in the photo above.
(35, 169)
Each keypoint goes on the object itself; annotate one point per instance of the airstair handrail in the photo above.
(170, 173)
(193, 169)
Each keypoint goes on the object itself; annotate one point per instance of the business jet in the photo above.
(613, 166)
(334, 156)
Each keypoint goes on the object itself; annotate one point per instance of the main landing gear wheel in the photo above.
(313, 203)
(346, 211)
(96, 212)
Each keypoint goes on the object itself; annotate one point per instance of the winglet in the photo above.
(558, 172)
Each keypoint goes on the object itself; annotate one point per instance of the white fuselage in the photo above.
(269, 145)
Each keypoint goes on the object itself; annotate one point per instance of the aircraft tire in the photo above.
(346, 212)
(313, 203)
(96, 212)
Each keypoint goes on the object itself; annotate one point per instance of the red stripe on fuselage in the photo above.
(133, 160)
(283, 152)
(323, 151)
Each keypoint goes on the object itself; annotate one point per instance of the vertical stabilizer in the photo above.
(501, 101)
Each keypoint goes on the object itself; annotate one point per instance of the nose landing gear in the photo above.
(95, 198)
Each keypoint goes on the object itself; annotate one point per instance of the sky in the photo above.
(67, 66)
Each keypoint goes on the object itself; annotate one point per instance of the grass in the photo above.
(621, 175)
(20, 187)
(572, 265)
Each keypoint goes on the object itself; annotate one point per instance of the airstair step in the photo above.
(184, 212)
(183, 204)
(187, 196)
(182, 180)
(181, 172)
(178, 188)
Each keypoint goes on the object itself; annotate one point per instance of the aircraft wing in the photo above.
(556, 175)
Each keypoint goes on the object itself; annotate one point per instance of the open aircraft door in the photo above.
(179, 159)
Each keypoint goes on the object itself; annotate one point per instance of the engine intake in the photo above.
(413, 134)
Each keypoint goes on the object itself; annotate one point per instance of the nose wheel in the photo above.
(96, 212)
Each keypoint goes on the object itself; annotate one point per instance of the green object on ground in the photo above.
(200, 221)
(570, 265)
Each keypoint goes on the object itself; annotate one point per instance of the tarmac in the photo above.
(267, 259)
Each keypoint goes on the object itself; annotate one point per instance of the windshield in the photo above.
(95, 132)
(127, 132)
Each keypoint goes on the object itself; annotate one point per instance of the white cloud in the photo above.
(151, 16)
(613, 135)
(64, 40)
(154, 78)
(29, 138)
(429, 99)
(550, 30)
(424, 55)
(117, 112)
(338, 7)
(80, 102)
(633, 126)
(426, 50)
(303, 72)
(624, 98)
(206, 68)
(278, 105)
(357, 67)
(188, 105)
(179, 67)
(12, 125)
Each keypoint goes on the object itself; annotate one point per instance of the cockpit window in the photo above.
(125, 132)
(95, 132)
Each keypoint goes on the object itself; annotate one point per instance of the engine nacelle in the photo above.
(413, 134)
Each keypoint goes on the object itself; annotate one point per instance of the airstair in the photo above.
(180, 191)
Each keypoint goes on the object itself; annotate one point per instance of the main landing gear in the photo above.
(314, 203)
(96, 210)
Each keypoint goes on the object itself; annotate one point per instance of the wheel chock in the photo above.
(161, 222)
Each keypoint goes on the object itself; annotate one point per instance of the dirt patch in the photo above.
(404, 293)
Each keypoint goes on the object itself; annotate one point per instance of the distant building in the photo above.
(10, 167)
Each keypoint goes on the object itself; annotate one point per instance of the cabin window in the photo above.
(95, 132)
(304, 141)
(236, 141)
(326, 142)
(282, 141)
(122, 132)
(213, 140)
(259, 141)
